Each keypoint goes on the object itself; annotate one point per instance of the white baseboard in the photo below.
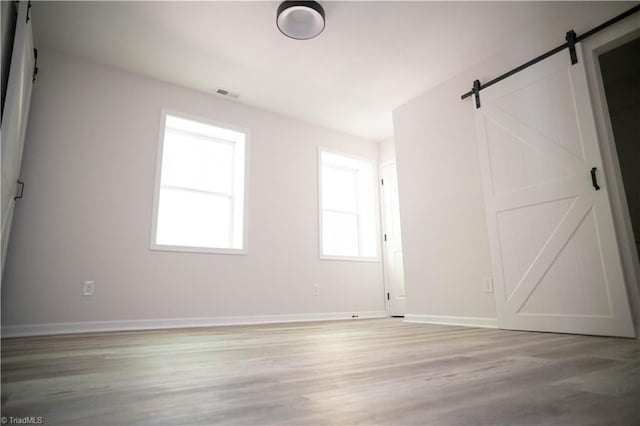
(158, 324)
(446, 320)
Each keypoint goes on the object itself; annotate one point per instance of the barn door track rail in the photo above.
(571, 39)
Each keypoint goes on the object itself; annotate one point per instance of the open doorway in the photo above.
(620, 68)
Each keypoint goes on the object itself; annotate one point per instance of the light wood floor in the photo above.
(361, 372)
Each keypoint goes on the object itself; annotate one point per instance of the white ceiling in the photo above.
(371, 58)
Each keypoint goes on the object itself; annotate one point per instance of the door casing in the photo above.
(593, 47)
(388, 284)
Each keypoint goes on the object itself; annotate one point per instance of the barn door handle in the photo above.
(21, 183)
(594, 178)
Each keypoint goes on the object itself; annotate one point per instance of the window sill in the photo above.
(204, 250)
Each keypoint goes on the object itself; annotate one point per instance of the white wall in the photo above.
(445, 242)
(386, 150)
(89, 167)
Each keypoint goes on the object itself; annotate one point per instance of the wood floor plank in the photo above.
(361, 372)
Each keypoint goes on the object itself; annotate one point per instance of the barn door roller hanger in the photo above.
(571, 39)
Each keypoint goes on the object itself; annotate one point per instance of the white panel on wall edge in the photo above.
(14, 120)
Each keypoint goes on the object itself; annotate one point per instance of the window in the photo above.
(347, 208)
(200, 187)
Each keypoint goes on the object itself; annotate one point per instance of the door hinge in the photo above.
(388, 296)
(385, 237)
(382, 182)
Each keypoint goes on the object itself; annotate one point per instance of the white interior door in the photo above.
(554, 254)
(14, 119)
(394, 272)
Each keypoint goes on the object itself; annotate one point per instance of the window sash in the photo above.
(209, 139)
(358, 233)
(194, 135)
(229, 236)
(356, 212)
(233, 190)
(202, 191)
(356, 187)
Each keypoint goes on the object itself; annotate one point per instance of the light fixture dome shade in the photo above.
(300, 20)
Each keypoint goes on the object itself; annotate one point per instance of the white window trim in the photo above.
(157, 186)
(376, 201)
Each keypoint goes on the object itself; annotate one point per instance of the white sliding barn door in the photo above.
(14, 120)
(554, 254)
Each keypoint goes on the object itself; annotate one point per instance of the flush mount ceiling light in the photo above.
(300, 20)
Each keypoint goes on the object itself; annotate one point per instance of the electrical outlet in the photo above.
(315, 289)
(487, 285)
(88, 287)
